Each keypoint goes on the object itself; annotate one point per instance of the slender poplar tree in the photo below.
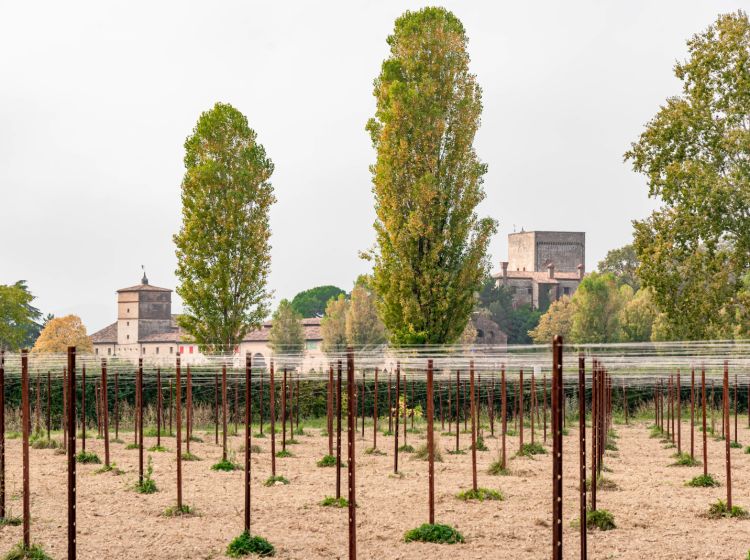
(431, 248)
(223, 250)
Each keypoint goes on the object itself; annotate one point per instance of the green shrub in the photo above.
(480, 445)
(186, 456)
(46, 444)
(406, 449)
(456, 452)
(327, 461)
(480, 494)
(703, 481)
(444, 534)
(158, 449)
(600, 519)
(284, 453)
(720, 509)
(10, 521)
(330, 501)
(735, 445)
(274, 480)
(423, 453)
(112, 467)
(132, 446)
(245, 545)
(88, 458)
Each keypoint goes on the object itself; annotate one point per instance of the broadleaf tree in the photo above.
(694, 250)
(364, 329)
(223, 249)
(333, 326)
(431, 247)
(19, 320)
(287, 336)
(61, 332)
(312, 302)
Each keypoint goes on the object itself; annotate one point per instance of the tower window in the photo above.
(170, 349)
(157, 349)
(127, 337)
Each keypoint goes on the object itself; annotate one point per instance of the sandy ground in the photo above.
(656, 515)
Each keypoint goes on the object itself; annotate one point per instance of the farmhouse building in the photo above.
(543, 266)
(146, 328)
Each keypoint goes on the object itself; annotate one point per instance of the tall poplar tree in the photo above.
(430, 257)
(223, 250)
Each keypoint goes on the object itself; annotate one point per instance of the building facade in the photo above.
(543, 266)
(146, 328)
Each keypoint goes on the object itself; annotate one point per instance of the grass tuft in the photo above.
(327, 461)
(497, 469)
(480, 445)
(190, 457)
(735, 445)
(685, 460)
(703, 481)
(720, 509)
(11, 521)
(437, 533)
(225, 465)
(46, 444)
(132, 446)
(406, 449)
(423, 453)
(174, 511)
(531, 449)
(602, 483)
(88, 458)
(480, 494)
(284, 453)
(20, 552)
(112, 467)
(275, 480)
(600, 519)
(456, 452)
(245, 545)
(158, 449)
(330, 501)
(374, 451)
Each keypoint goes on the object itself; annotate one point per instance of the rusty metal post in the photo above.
(705, 443)
(503, 411)
(178, 418)
(440, 405)
(83, 408)
(2, 434)
(458, 409)
(594, 430)
(520, 410)
(159, 405)
(329, 410)
(390, 405)
(692, 413)
(105, 412)
(171, 404)
(338, 432)
(557, 449)
(735, 408)
(544, 405)
(248, 435)
(117, 405)
(272, 404)
(188, 408)
(283, 412)
(678, 404)
(140, 420)
(406, 404)
(49, 406)
(375, 413)
(224, 413)
(216, 410)
(396, 416)
(25, 420)
(473, 413)
(532, 405)
(363, 404)
(430, 444)
(351, 429)
(727, 445)
(582, 450)
(71, 405)
(260, 405)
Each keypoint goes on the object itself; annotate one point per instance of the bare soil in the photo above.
(657, 516)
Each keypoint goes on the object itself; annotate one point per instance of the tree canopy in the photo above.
(516, 322)
(312, 302)
(694, 250)
(19, 320)
(223, 250)
(363, 325)
(430, 256)
(287, 337)
(333, 326)
(61, 332)
(623, 263)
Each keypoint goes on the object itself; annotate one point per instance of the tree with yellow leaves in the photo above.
(61, 332)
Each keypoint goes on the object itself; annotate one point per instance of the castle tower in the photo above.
(142, 310)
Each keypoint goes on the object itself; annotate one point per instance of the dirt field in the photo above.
(656, 515)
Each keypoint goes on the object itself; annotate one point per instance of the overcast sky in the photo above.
(96, 100)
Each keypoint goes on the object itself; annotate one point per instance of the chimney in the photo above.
(580, 272)
(504, 265)
(551, 268)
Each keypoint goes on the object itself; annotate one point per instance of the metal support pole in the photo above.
(396, 415)
(140, 420)
(338, 432)
(178, 419)
(26, 421)
(351, 428)
(105, 412)
(473, 427)
(272, 402)
(248, 435)
(71, 405)
(727, 444)
(557, 449)
(582, 449)
(430, 444)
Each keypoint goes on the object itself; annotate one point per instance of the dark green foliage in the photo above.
(600, 519)
(10, 521)
(158, 449)
(147, 486)
(735, 445)
(132, 446)
(87, 458)
(515, 321)
(174, 511)
(530, 449)
(274, 480)
(720, 509)
(20, 552)
(190, 457)
(245, 545)
(112, 467)
(480, 494)
(610, 446)
(703, 481)
(330, 501)
(312, 302)
(456, 452)
(225, 465)
(284, 453)
(45, 444)
(443, 534)
(406, 449)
